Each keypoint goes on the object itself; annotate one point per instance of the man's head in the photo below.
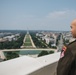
(73, 28)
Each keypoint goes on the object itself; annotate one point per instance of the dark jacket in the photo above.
(67, 62)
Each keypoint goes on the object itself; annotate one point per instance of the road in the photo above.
(60, 45)
(47, 49)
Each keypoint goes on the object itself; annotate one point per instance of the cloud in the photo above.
(56, 14)
(61, 14)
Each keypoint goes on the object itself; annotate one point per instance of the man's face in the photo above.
(73, 30)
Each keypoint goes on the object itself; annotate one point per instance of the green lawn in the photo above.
(27, 44)
(27, 41)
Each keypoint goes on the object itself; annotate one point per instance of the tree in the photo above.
(50, 44)
(51, 52)
(11, 55)
(43, 53)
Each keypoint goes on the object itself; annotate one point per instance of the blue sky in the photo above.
(37, 14)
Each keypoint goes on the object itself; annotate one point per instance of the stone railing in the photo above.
(45, 65)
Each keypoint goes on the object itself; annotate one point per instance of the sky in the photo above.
(37, 14)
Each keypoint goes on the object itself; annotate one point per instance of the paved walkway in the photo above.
(2, 56)
(32, 42)
(47, 49)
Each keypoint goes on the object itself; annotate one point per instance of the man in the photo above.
(67, 62)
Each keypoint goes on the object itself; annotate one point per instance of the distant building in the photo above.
(3, 40)
(12, 37)
(48, 37)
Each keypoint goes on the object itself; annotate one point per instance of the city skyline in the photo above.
(37, 14)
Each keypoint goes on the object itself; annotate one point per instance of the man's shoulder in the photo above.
(72, 43)
(72, 47)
